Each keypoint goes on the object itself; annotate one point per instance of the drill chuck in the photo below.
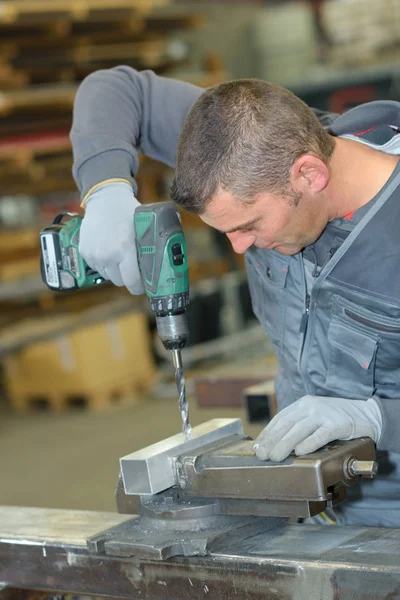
(173, 303)
(173, 330)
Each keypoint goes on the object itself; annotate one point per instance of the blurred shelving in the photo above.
(46, 48)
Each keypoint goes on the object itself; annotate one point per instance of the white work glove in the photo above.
(313, 421)
(107, 238)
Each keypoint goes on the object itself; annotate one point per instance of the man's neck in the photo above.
(357, 174)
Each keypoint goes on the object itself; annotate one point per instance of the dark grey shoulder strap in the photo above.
(367, 115)
(325, 118)
(386, 195)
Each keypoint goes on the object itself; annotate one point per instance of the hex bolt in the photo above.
(362, 468)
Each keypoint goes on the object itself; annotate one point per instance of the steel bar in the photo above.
(151, 470)
(293, 562)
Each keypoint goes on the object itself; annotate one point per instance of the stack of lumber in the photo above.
(46, 48)
(35, 163)
(48, 41)
(19, 254)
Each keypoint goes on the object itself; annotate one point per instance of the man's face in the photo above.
(268, 222)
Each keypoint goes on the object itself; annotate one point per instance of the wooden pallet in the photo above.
(20, 124)
(74, 69)
(13, 11)
(14, 39)
(12, 241)
(9, 79)
(60, 183)
(29, 162)
(22, 149)
(58, 49)
(46, 48)
(33, 158)
(84, 51)
(97, 358)
(38, 100)
(18, 269)
(107, 399)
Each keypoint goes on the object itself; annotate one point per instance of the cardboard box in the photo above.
(97, 363)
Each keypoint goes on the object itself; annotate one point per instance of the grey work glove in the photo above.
(107, 238)
(313, 421)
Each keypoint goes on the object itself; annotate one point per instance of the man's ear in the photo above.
(309, 173)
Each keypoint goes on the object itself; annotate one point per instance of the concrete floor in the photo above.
(71, 460)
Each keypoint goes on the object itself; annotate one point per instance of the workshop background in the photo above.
(84, 377)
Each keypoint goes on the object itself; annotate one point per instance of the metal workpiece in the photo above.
(152, 469)
(233, 471)
(172, 525)
(219, 462)
(296, 562)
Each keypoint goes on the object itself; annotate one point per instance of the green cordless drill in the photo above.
(161, 252)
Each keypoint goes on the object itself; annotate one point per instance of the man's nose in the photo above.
(241, 241)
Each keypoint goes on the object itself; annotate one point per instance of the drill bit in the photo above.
(180, 384)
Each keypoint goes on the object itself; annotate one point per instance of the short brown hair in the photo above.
(243, 136)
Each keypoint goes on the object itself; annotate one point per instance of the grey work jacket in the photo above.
(342, 340)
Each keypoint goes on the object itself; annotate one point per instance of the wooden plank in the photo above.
(36, 173)
(32, 160)
(10, 79)
(34, 145)
(18, 269)
(13, 38)
(126, 31)
(23, 124)
(56, 97)
(13, 10)
(98, 399)
(86, 52)
(21, 239)
(60, 183)
(75, 73)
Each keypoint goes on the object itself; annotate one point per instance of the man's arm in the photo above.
(120, 111)
(117, 113)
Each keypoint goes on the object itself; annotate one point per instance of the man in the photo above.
(317, 212)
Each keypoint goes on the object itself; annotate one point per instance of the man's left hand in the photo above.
(313, 421)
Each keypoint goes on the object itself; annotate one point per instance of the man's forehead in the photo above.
(222, 212)
(224, 205)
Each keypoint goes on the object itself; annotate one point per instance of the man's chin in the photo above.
(287, 250)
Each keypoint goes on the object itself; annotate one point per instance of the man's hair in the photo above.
(243, 137)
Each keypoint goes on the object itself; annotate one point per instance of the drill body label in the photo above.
(50, 260)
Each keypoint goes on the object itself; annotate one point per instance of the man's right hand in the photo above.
(107, 238)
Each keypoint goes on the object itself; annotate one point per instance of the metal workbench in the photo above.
(44, 549)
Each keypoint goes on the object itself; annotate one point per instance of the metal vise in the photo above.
(192, 495)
